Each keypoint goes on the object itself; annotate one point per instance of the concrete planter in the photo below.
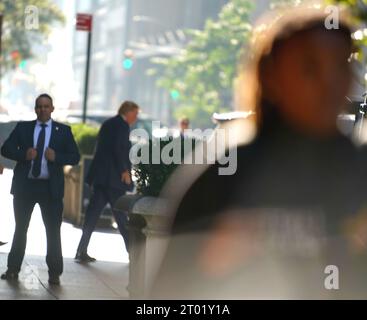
(148, 227)
(72, 197)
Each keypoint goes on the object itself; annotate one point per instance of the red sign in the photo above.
(84, 22)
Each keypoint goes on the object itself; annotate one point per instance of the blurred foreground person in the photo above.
(283, 226)
(109, 175)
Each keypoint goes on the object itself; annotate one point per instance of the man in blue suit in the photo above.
(41, 148)
(109, 174)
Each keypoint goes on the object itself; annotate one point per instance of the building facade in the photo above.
(147, 28)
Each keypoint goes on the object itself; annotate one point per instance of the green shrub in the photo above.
(85, 137)
(152, 177)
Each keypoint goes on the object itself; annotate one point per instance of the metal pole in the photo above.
(86, 82)
(128, 19)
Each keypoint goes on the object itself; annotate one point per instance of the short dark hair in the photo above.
(43, 95)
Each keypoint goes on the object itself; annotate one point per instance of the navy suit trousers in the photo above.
(38, 191)
(100, 197)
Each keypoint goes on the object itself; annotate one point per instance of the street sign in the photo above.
(84, 22)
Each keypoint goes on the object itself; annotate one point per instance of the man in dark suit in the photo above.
(109, 174)
(41, 148)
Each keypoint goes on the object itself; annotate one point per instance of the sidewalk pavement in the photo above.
(107, 278)
(101, 280)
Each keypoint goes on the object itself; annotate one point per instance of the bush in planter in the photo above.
(85, 137)
(152, 177)
(76, 191)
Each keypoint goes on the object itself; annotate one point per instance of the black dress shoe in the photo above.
(54, 280)
(8, 275)
(84, 257)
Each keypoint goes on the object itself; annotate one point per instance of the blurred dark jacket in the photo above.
(112, 155)
(281, 170)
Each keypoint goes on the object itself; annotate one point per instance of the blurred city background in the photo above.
(173, 57)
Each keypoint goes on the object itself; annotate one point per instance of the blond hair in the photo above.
(127, 106)
(267, 35)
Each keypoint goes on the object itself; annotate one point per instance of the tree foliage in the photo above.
(151, 177)
(358, 12)
(358, 8)
(16, 37)
(202, 76)
(85, 137)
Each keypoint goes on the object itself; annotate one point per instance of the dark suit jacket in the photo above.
(62, 141)
(112, 155)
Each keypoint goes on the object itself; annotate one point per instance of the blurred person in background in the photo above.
(296, 202)
(184, 125)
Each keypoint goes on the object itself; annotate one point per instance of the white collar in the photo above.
(48, 123)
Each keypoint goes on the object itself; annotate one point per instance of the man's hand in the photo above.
(125, 177)
(1, 169)
(31, 154)
(50, 154)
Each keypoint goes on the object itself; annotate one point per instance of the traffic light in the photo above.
(23, 64)
(128, 61)
(175, 95)
(15, 55)
(16, 58)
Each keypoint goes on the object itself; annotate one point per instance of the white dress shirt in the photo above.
(37, 129)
